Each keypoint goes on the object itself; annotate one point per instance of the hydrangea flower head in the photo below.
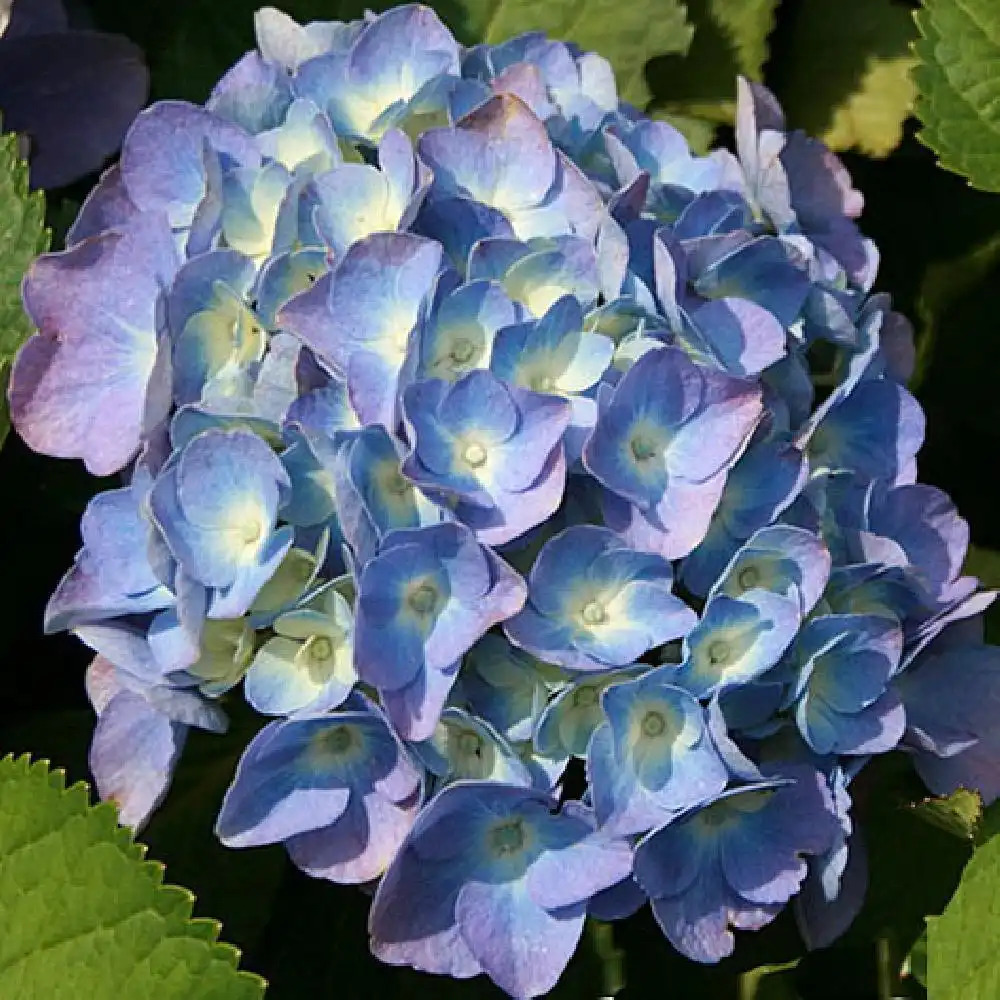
(546, 495)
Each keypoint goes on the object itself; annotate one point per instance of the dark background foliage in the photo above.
(940, 246)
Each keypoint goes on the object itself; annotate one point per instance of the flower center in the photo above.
(423, 598)
(748, 577)
(462, 351)
(507, 838)
(653, 724)
(718, 652)
(396, 484)
(469, 744)
(542, 383)
(320, 649)
(594, 613)
(643, 448)
(337, 741)
(250, 532)
(474, 455)
(584, 697)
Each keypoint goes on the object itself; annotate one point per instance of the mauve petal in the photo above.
(522, 947)
(133, 754)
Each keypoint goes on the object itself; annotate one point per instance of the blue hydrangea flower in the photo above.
(799, 184)
(423, 602)
(309, 663)
(338, 790)
(664, 445)
(359, 318)
(484, 856)
(500, 158)
(950, 696)
(215, 335)
(554, 354)
(594, 603)
(734, 862)
(761, 485)
(389, 327)
(388, 71)
(539, 272)
(355, 200)
(111, 575)
(186, 187)
(495, 448)
(652, 758)
(458, 335)
(141, 730)
(843, 700)
(372, 495)
(735, 641)
(782, 559)
(568, 721)
(216, 504)
(876, 431)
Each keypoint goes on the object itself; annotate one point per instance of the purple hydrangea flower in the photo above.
(664, 444)
(734, 862)
(484, 857)
(653, 757)
(216, 503)
(423, 602)
(843, 700)
(492, 451)
(338, 790)
(594, 603)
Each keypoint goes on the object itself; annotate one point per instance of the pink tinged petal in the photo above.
(522, 947)
(133, 754)
(731, 409)
(572, 874)
(79, 387)
(163, 157)
(108, 206)
(360, 845)
(484, 156)
(412, 919)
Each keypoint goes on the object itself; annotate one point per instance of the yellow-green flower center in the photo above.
(474, 455)
(653, 724)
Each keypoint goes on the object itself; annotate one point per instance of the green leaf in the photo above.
(916, 961)
(983, 563)
(958, 79)
(628, 35)
(962, 958)
(238, 887)
(958, 814)
(76, 894)
(730, 38)
(22, 236)
(843, 72)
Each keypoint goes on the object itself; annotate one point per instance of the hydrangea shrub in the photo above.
(550, 493)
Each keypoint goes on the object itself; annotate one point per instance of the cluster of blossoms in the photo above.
(550, 490)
